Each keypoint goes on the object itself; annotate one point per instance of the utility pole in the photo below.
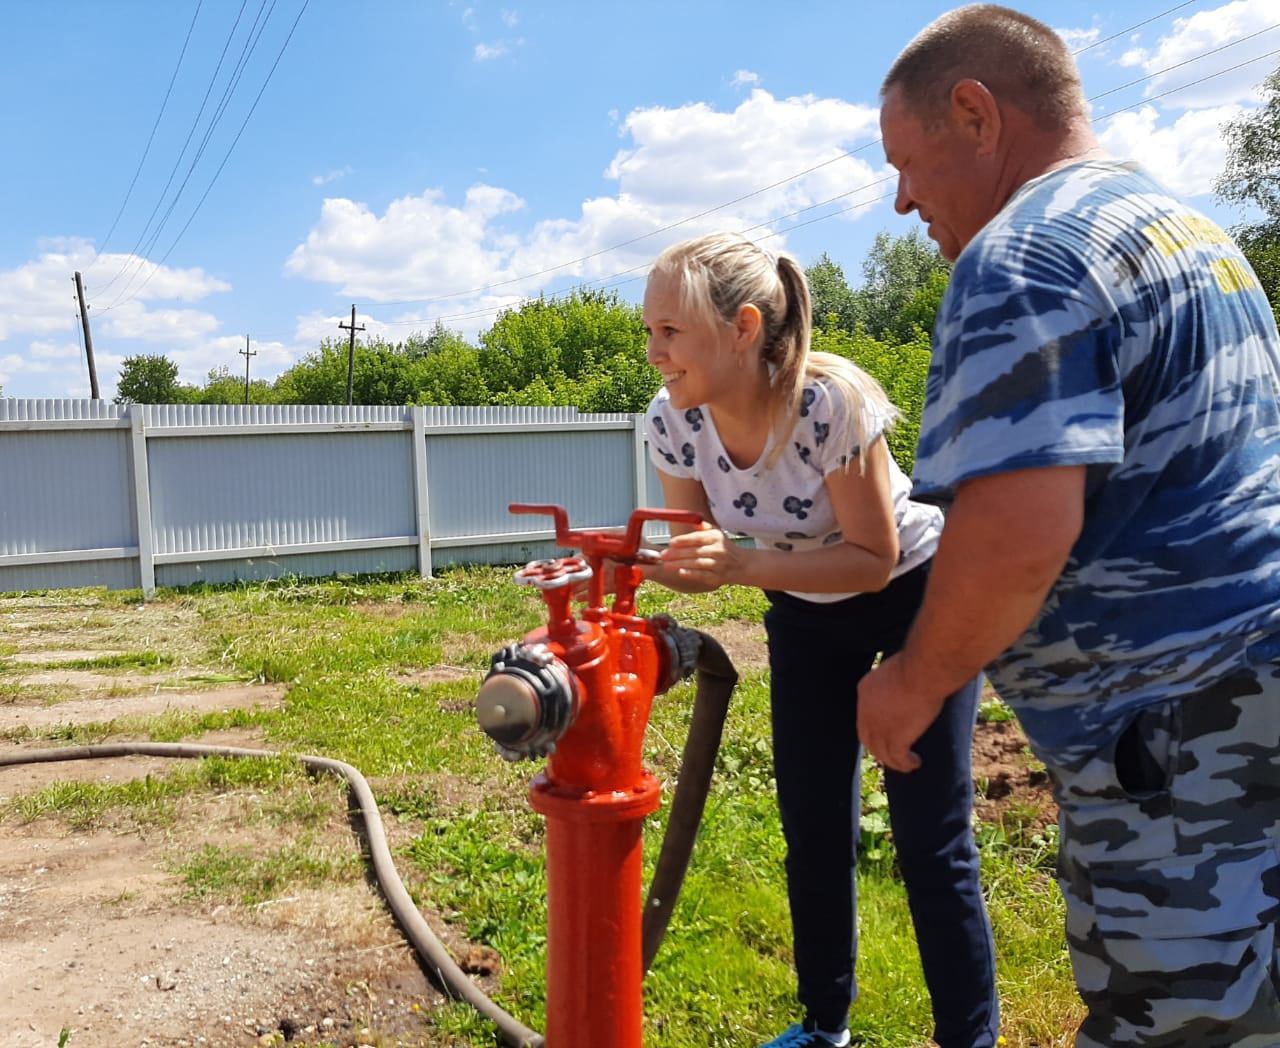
(246, 354)
(351, 348)
(88, 339)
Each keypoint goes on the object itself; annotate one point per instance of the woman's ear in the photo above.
(747, 325)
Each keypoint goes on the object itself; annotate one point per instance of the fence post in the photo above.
(422, 506)
(142, 501)
(641, 460)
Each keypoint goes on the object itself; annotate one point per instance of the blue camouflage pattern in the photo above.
(1169, 868)
(1097, 321)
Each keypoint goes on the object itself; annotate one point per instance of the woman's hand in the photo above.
(705, 558)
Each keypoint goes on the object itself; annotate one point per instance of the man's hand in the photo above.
(892, 716)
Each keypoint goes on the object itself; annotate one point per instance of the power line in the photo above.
(150, 138)
(233, 81)
(474, 314)
(1179, 65)
(183, 151)
(1125, 32)
(633, 240)
(711, 210)
(230, 149)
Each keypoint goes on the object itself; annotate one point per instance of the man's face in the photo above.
(939, 175)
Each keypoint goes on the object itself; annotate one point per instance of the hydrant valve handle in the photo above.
(554, 573)
(624, 545)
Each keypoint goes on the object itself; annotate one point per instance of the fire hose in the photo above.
(715, 680)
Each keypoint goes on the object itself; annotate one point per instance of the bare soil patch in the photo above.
(102, 710)
(744, 643)
(1011, 788)
(97, 940)
(89, 682)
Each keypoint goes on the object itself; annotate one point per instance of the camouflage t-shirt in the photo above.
(1097, 321)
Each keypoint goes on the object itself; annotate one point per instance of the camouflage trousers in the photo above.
(1170, 867)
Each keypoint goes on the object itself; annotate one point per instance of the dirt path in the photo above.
(99, 937)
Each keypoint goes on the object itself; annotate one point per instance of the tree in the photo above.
(440, 338)
(831, 295)
(921, 310)
(1252, 178)
(894, 270)
(453, 375)
(150, 379)
(900, 368)
(223, 387)
(554, 339)
(318, 378)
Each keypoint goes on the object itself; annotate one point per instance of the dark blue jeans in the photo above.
(817, 655)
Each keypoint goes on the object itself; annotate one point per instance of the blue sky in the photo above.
(442, 160)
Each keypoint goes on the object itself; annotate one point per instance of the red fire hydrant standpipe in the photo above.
(580, 692)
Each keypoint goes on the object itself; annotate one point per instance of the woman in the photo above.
(763, 437)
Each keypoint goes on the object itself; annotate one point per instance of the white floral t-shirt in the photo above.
(786, 506)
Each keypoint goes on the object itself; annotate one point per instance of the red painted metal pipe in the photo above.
(594, 965)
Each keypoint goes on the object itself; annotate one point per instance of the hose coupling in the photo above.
(683, 648)
(527, 701)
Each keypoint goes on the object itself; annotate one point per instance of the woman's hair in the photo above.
(720, 273)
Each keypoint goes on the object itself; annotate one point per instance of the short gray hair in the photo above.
(1019, 59)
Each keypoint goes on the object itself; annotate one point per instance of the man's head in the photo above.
(982, 100)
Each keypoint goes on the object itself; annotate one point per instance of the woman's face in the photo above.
(695, 358)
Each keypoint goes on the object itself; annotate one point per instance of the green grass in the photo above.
(119, 661)
(250, 877)
(150, 800)
(474, 851)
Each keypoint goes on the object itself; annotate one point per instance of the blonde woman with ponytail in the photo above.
(763, 437)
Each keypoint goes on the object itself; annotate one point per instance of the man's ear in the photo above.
(748, 324)
(975, 113)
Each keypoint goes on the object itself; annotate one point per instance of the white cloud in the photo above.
(42, 350)
(745, 78)
(469, 17)
(1202, 32)
(165, 327)
(331, 176)
(1186, 156)
(509, 18)
(40, 354)
(487, 52)
(1078, 39)
(419, 241)
(676, 162)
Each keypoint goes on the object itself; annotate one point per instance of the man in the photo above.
(1101, 418)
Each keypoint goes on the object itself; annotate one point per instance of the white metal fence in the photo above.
(145, 495)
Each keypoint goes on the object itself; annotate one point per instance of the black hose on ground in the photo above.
(716, 678)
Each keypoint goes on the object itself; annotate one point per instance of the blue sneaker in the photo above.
(807, 1035)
